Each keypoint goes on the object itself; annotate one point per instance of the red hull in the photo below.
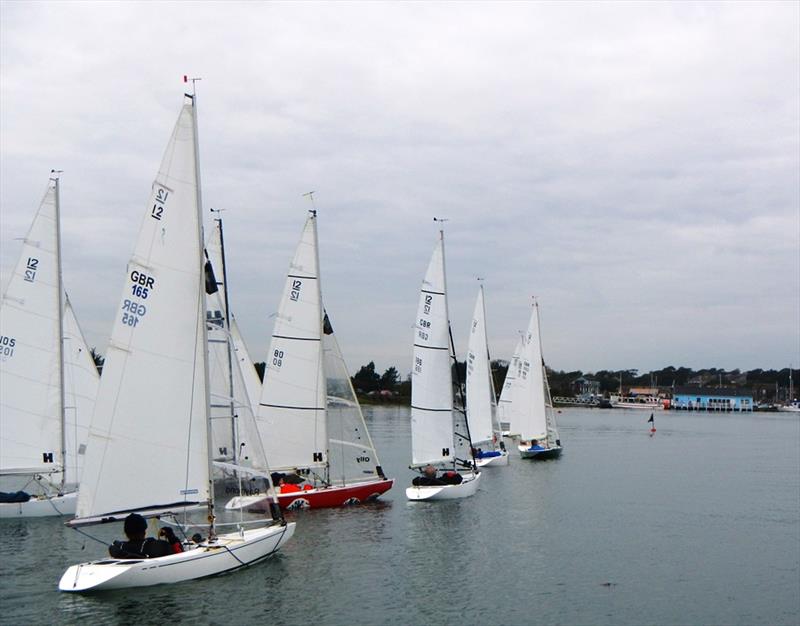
(328, 497)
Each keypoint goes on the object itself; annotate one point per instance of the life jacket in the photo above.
(177, 548)
(289, 488)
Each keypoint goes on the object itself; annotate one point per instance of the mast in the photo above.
(323, 381)
(60, 287)
(234, 437)
(201, 291)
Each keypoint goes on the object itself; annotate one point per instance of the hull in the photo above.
(445, 492)
(44, 506)
(539, 455)
(328, 497)
(227, 553)
(493, 460)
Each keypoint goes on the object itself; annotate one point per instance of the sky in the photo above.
(635, 166)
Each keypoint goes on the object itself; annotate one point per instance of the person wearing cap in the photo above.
(138, 546)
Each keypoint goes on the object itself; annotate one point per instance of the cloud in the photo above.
(635, 166)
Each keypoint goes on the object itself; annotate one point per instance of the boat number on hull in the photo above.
(7, 347)
(30, 269)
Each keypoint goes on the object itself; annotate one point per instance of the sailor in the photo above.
(137, 546)
(169, 536)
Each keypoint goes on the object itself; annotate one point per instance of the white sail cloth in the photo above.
(481, 404)
(291, 411)
(431, 374)
(32, 420)
(148, 440)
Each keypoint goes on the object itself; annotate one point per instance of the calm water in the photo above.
(699, 524)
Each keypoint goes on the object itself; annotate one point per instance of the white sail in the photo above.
(431, 375)
(505, 409)
(148, 440)
(39, 436)
(353, 457)
(291, 411)
(528, 395)
(480, 389)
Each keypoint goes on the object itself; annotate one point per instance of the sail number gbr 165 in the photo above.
(132, 309)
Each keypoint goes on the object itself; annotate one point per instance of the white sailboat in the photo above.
(48, 380)
(532, 409)
(234, 385)
(504, 410)
(481, 399)
(309, 419)
(151, 429)
(441, 449)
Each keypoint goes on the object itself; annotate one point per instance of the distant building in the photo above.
(585, 387)
(710, 399)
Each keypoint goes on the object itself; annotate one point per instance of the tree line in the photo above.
(766, 385)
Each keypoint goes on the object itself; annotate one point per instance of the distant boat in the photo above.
(148, 449)
(49, 379)
(481, 398)
(234, 387)
(309, 419)
(441, 449)
(532, 407)
(641, 402)
(504, 410)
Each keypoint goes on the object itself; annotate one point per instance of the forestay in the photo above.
(352, 454)
(148, 441)
(291, 411)
(431, 375)
(480, 387)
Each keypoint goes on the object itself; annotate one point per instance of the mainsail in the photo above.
(528, 392)
(291, 411)
(148, 441)
(481, 403)
(48, 381)
(431, 375)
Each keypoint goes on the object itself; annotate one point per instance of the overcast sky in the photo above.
(633, 165)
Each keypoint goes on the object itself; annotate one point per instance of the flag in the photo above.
(651, 420)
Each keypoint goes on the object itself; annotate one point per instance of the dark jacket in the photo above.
(146, 549)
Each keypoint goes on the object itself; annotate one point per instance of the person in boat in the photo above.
(138, 546)
(535, 445)
(168, 535)
(428, 478)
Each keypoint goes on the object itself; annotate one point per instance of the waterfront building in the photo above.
(712, 399)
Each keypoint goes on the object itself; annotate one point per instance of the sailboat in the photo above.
(504, 411)
(441, 448)
(234, 386)
(532, 408)
(148, 449)
(310, 422)
(481, 397)
(48, 380)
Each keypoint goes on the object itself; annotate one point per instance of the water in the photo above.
(699, 524)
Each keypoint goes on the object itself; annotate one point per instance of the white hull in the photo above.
(446, 492)
(229, 552)
(43, 506)
(493, 460)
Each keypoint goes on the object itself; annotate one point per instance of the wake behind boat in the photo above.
(441, 448)
(156, 380)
